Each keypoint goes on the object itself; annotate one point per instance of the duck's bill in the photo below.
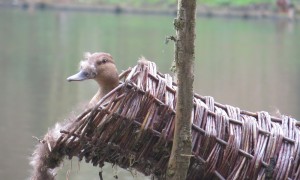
(80, 76)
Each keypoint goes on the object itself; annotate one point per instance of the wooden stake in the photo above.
(184, 60)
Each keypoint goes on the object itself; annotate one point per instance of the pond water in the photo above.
(252, 64)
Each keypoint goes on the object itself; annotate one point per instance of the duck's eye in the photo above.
(104, 60)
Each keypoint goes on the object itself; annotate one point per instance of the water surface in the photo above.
(251, 64)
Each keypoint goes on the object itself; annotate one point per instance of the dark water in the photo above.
(253, 64)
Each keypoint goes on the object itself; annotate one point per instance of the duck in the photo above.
(98, 66)
(101, 67)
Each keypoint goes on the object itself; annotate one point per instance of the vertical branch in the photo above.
(184, 59)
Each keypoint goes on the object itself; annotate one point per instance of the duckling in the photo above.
(101, 67)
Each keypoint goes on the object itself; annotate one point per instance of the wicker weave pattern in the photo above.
(133, 126)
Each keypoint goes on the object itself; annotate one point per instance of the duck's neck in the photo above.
(104, 88)
(96, 98)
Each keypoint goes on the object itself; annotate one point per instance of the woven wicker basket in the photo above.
(133, 126)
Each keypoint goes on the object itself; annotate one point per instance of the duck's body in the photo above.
(100, 67)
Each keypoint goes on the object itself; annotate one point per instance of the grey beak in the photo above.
(80, 76)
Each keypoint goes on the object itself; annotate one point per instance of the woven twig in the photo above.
(133, 126)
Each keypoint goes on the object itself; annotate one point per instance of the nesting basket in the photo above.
(133, 127)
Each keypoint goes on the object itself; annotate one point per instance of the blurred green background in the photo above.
(253, 64)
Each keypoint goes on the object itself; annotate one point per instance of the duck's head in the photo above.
(99, 66)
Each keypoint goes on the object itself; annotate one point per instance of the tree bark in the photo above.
(184, 59)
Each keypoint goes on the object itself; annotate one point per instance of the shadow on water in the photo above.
(250, 64)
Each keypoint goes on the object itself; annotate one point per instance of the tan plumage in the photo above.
(100, 67)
